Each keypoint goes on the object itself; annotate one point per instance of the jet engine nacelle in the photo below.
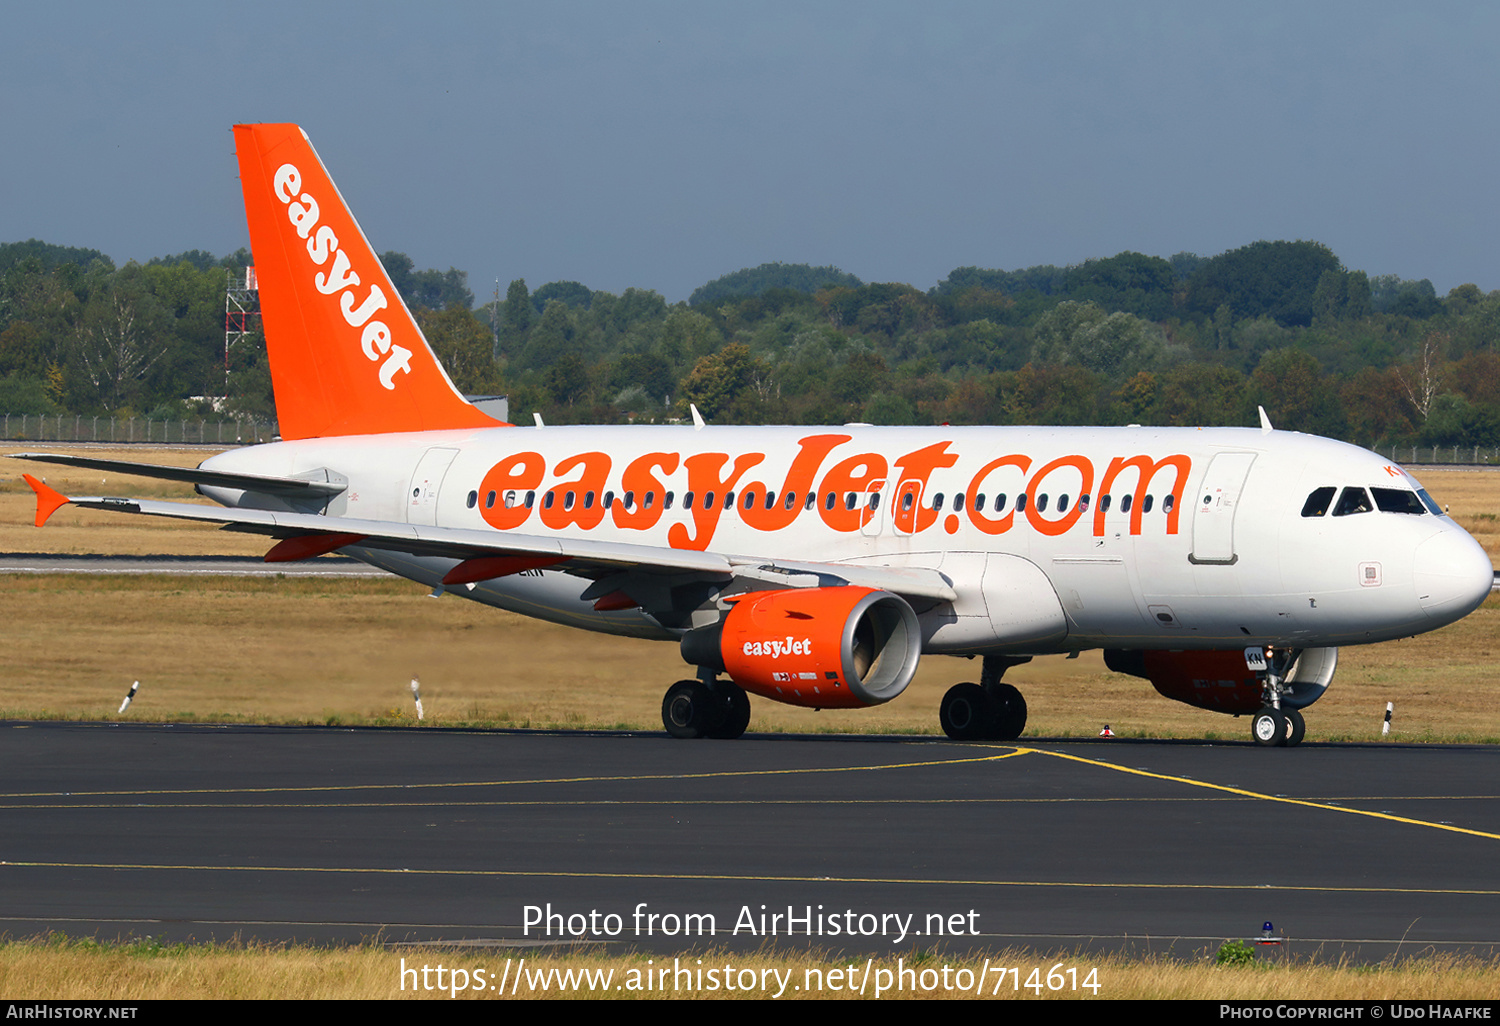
(1220, 680)
(824, 648)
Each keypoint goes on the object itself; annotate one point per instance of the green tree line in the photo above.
(1185, 340)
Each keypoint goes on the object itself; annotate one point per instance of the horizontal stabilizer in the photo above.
(282, 486)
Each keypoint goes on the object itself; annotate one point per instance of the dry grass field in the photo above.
(64, 970)
(333, 650)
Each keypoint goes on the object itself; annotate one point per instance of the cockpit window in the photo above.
(1427, 500)
(1353, 500)
(1397, 500)
(1318, 502)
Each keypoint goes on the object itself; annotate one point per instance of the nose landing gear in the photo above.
(1275, 726)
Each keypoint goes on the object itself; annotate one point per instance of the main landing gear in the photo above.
(987, 711)
(695, 708)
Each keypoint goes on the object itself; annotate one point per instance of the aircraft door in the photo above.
(1218, 498)
(422, 493)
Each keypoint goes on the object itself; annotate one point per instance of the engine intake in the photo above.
(824, 648)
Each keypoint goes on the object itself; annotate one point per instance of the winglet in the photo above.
(48, 500)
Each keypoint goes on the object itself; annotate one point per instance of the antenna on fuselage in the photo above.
(1265, 421)
(697, 417)
(538, 418)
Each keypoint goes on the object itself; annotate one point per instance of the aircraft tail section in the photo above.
(346, 356)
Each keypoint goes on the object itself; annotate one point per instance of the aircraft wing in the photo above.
(487, 554)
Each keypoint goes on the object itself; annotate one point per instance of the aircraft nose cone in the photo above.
(1453, 575)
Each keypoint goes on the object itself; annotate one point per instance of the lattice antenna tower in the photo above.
(241, 312)
(495, 323)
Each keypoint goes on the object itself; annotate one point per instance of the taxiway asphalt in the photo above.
(328, 834)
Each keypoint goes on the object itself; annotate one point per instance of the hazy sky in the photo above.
(660, 145)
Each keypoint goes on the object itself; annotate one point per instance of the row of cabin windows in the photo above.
(851, 501)
(1354, 500)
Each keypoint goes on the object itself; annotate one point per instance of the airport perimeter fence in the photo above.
(1427, 455)
(32, 427)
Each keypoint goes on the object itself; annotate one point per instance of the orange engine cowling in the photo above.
(1208, 679)
(825, 648)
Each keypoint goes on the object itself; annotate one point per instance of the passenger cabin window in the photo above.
(1353, 500)
(1318, 502)
(1146, 504)
(1397, 500)
(473, 499)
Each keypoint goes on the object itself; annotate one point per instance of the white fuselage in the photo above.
(1125, 538)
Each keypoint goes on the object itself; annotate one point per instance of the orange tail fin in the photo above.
(346, 356)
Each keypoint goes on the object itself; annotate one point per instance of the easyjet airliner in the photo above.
(813, 566)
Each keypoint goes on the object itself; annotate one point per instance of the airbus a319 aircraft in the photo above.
(812, 566)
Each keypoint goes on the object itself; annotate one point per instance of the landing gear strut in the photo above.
(696, 708)
(989, 710)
